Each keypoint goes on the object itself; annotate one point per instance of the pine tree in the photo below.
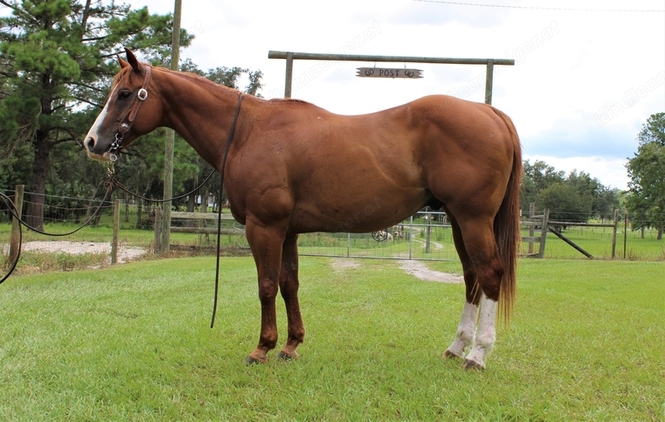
(56, 56)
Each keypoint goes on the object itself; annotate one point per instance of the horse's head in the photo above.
(120, 122)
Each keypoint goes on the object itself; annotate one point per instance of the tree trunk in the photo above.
(204, 199)
(191, 205)
(660, 234)
(191, 202)
(127, 207)
(34, 213)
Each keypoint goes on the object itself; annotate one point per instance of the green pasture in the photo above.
(132, 342)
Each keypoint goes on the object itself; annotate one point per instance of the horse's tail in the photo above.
(507, 225)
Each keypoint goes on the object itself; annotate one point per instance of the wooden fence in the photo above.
(202, 223)
(540, 224)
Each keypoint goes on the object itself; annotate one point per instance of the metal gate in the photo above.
(424, 236)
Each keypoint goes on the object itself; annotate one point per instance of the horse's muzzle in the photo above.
(89, 145)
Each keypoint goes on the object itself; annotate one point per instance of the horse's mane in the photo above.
(187, 75)
(199, 78)
(196, 77)
(290, 100)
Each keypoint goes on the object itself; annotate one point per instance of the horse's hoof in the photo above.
(451, 355)
(286, 356)
(472, 364)
(253, 361)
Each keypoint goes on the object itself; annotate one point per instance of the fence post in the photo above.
(614, 232)
(428, 231)
(532, 228)
(116, 229)
(543, 233)
(158, 230)
(16, 225)
(625, 232)
(410, 236)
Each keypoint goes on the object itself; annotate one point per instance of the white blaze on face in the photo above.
(93, 133)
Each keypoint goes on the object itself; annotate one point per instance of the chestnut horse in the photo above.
(290, 167)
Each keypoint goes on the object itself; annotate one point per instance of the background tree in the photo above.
(575, 197)
(55, 55)
(537, 177)
(606, 202)
(646, 197)
(564, 202)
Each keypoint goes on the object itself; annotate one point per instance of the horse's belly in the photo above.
(357, 214)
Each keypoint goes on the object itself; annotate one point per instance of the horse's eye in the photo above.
(123, 95)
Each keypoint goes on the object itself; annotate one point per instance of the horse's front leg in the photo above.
(288, 284)
(266, 245)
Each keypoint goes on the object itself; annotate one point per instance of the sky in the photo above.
(587, 73)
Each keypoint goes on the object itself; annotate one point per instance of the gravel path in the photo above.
(417, 269)
(75, 248)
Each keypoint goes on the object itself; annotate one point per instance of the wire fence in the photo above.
(424, 236)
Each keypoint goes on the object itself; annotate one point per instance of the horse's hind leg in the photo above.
(466, 330)
(481, 260)
(288, 284)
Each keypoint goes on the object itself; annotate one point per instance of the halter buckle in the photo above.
(142, 94)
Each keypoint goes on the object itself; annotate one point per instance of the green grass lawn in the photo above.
(132, 342)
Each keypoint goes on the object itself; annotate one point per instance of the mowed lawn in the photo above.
(132, 342)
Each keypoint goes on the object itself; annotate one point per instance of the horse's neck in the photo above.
(199, 111)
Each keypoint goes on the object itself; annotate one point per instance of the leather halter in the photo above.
(141, 96)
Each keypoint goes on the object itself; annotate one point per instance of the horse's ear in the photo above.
(123, 64)
(131, 58)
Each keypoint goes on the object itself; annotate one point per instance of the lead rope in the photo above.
(14, 213)
(219, 209)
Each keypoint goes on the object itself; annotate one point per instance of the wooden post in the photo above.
(170, 134)
(14, 245)
(543, 233)
(570, 242)
(116, 230)
(158, 230)
(625, 232)
(291, 56)
(289, 75)
(614, 233)
(532, 228)
(489, 78)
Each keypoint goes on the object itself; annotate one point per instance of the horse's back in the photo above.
(363, 172)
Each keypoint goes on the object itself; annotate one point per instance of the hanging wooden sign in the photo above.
(382, 72)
